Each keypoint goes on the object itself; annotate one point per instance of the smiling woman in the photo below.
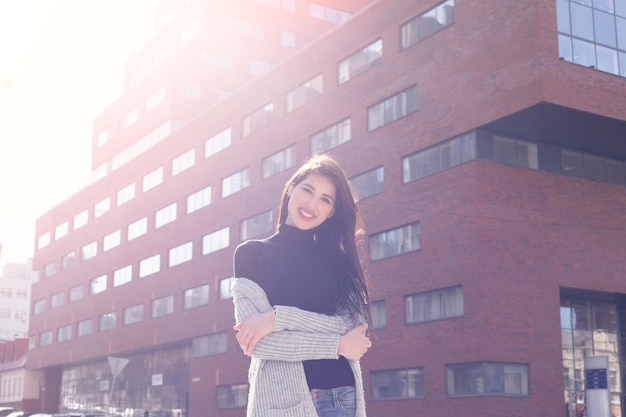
(61, 64)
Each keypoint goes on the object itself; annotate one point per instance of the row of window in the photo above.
(421, 307)
(466, 379)
(20, 293)
(17, 314)
(512, 151)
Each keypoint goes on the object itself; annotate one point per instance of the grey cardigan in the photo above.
(278, 385)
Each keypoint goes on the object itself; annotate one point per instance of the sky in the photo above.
(61, 63)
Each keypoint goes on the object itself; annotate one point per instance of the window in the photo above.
(68, 260)
(395, 242)
(279, 162)
(211, 344)
(369, 183)
(515, 152)
(329, 14)
(61, 230)
(112, 240)
(98, 284)
(235, 182)
(199, 199)
(99, 172)
(133, 314)
(45, 338)
(230, 396)
(196, 297)
(249, 29)
(56, 300)
(437, 158)
(218, 59)
(50, 269)
(392, 108)
(331, 137)
(163, 306)
(155, 99)
(225, 291)
(398, 384)
(84, 328)
(145, 143)
(360, 61)
(487, 378)
(122, 276)
(593, 35)
(76, 293)
(215, 241)
(131, 117)
(107, 321)
(258, 119)
(193, 92)
(287, 5)
(190, 33)
(152, 179)
(149, 266)
(434, 305)
(183, 162)
(89, 250)
(137, 228)
(126, 194)
(258, 67)
(288, 39)
(256, 225)
(181, 254)
(43, 240)
(217, 142)
(378, 314)
(81, 219)
(165, 215)
(64, 333)
(39, 306)
(102, 207)
(103, 137)
(426, 24)
(304, 93)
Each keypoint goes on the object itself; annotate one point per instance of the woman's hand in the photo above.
(354, 344)
(253, 329)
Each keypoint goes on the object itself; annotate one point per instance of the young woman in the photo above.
(301, 301)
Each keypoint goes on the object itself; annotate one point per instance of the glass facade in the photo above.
(589, 328)
(593, 34)
(152, 381)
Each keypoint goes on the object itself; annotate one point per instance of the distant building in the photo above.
(19, 387)
(485, 139)
(15, 285)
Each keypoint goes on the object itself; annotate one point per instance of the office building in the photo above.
(486, 141)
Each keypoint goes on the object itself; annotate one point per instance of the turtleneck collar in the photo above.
(293, 233)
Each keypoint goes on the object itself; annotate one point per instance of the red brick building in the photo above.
(485, 139)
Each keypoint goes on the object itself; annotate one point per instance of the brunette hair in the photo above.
(341, 235)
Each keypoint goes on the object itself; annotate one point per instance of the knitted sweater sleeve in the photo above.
(298, 334)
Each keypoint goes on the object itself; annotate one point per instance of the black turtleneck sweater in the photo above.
(291, 269)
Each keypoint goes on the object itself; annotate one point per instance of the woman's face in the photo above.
(311, 202)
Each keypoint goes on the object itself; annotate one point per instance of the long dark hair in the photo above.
(340, 236)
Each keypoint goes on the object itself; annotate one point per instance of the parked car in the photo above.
(4, 411)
